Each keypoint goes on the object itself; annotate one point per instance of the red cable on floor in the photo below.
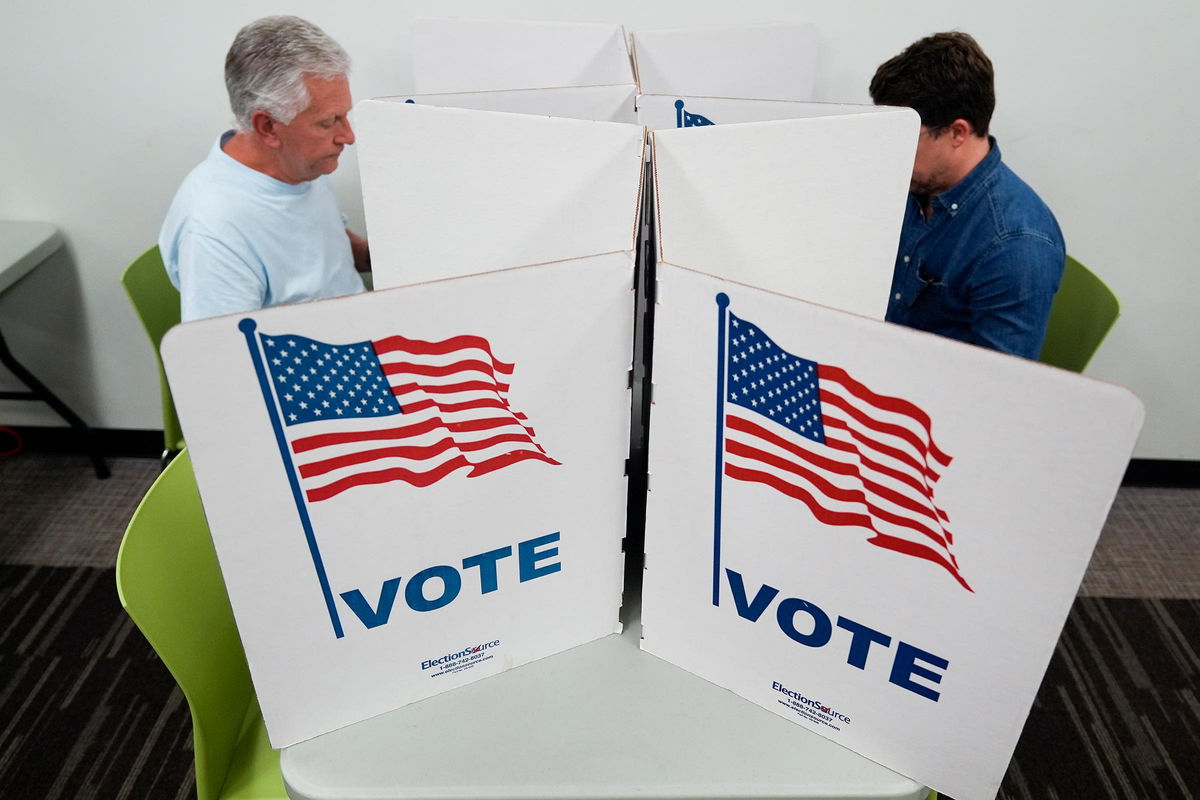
(17, 443)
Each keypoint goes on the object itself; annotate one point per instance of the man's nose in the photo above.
(345, 136)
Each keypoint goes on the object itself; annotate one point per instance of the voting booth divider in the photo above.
(556, 69)
(872, 532)
(410, 490)
(764, 62)
(475, 55)
(742, 201)
(893, 526)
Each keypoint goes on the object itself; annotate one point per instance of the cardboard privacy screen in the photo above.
(874, 532)
(765, 62)
(664, 111)
(805, 198)
(413, 489)
(596, 103)
(451, 192)
(456, 55)
(806, 206)
(803, 202)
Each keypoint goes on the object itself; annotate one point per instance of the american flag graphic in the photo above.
(394, 409)
(686, 119)
(852, 456)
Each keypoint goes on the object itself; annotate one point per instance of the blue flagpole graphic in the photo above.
(247, 326)
(722, 319)
(686, 119)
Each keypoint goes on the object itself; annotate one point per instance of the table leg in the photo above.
(38, 391)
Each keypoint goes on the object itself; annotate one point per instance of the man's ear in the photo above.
(265, 127)
(960, 131)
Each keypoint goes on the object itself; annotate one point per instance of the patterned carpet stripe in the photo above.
(1117, 715)
(86, 708)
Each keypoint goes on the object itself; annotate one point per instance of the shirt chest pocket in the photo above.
(915, 283)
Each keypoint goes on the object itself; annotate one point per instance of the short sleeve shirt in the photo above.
(236, 239)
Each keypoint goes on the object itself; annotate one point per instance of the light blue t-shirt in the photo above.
(236, 240)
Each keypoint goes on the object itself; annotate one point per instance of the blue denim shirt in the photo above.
(985, 267)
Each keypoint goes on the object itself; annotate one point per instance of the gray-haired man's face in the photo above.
(309, 146)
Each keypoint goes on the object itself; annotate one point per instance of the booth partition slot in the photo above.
(639, 428)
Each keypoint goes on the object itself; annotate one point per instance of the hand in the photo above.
(361, 251)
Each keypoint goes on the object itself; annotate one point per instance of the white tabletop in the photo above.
(601, 721)
(24, 245)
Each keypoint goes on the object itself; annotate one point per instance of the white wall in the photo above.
(104, 107)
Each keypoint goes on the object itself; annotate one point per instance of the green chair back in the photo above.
(156, 302)
(170, 585)
(1083, 312)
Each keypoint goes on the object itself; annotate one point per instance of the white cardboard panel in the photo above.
(878, 649)
(807, 207)
(460, 55)
(659, 111)
(566, 330)
(597, 103)
(451, 192)
(767, 62)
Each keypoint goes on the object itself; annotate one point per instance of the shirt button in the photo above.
(954, 206)
(906, 259)
(897, 295)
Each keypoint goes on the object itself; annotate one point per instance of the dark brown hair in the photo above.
(944, 77)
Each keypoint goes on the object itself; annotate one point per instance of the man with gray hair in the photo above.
(256, 224)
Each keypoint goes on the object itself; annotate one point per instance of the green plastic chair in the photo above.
(1084, 311)
(156, 302)
(169, 583)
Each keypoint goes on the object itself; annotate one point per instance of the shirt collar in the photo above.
(264, 181)
(960, 194)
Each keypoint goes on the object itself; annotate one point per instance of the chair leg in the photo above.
(38, 391)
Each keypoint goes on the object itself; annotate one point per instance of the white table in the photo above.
(23, 246)
(601, 721)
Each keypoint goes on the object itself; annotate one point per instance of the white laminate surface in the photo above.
(601, 721)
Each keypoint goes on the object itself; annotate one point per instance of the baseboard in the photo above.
(149, 444)
(117, 442)
(1162, 472)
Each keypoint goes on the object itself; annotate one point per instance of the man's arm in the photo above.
(361, 251)
(213, 280)
(1011, 290)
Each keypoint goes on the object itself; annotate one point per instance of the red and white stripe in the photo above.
(876, 469)
(454, 399)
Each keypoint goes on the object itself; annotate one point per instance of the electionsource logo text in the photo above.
(816, 704)
(466, 651)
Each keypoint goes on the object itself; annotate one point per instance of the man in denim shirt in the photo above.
(980, 253)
